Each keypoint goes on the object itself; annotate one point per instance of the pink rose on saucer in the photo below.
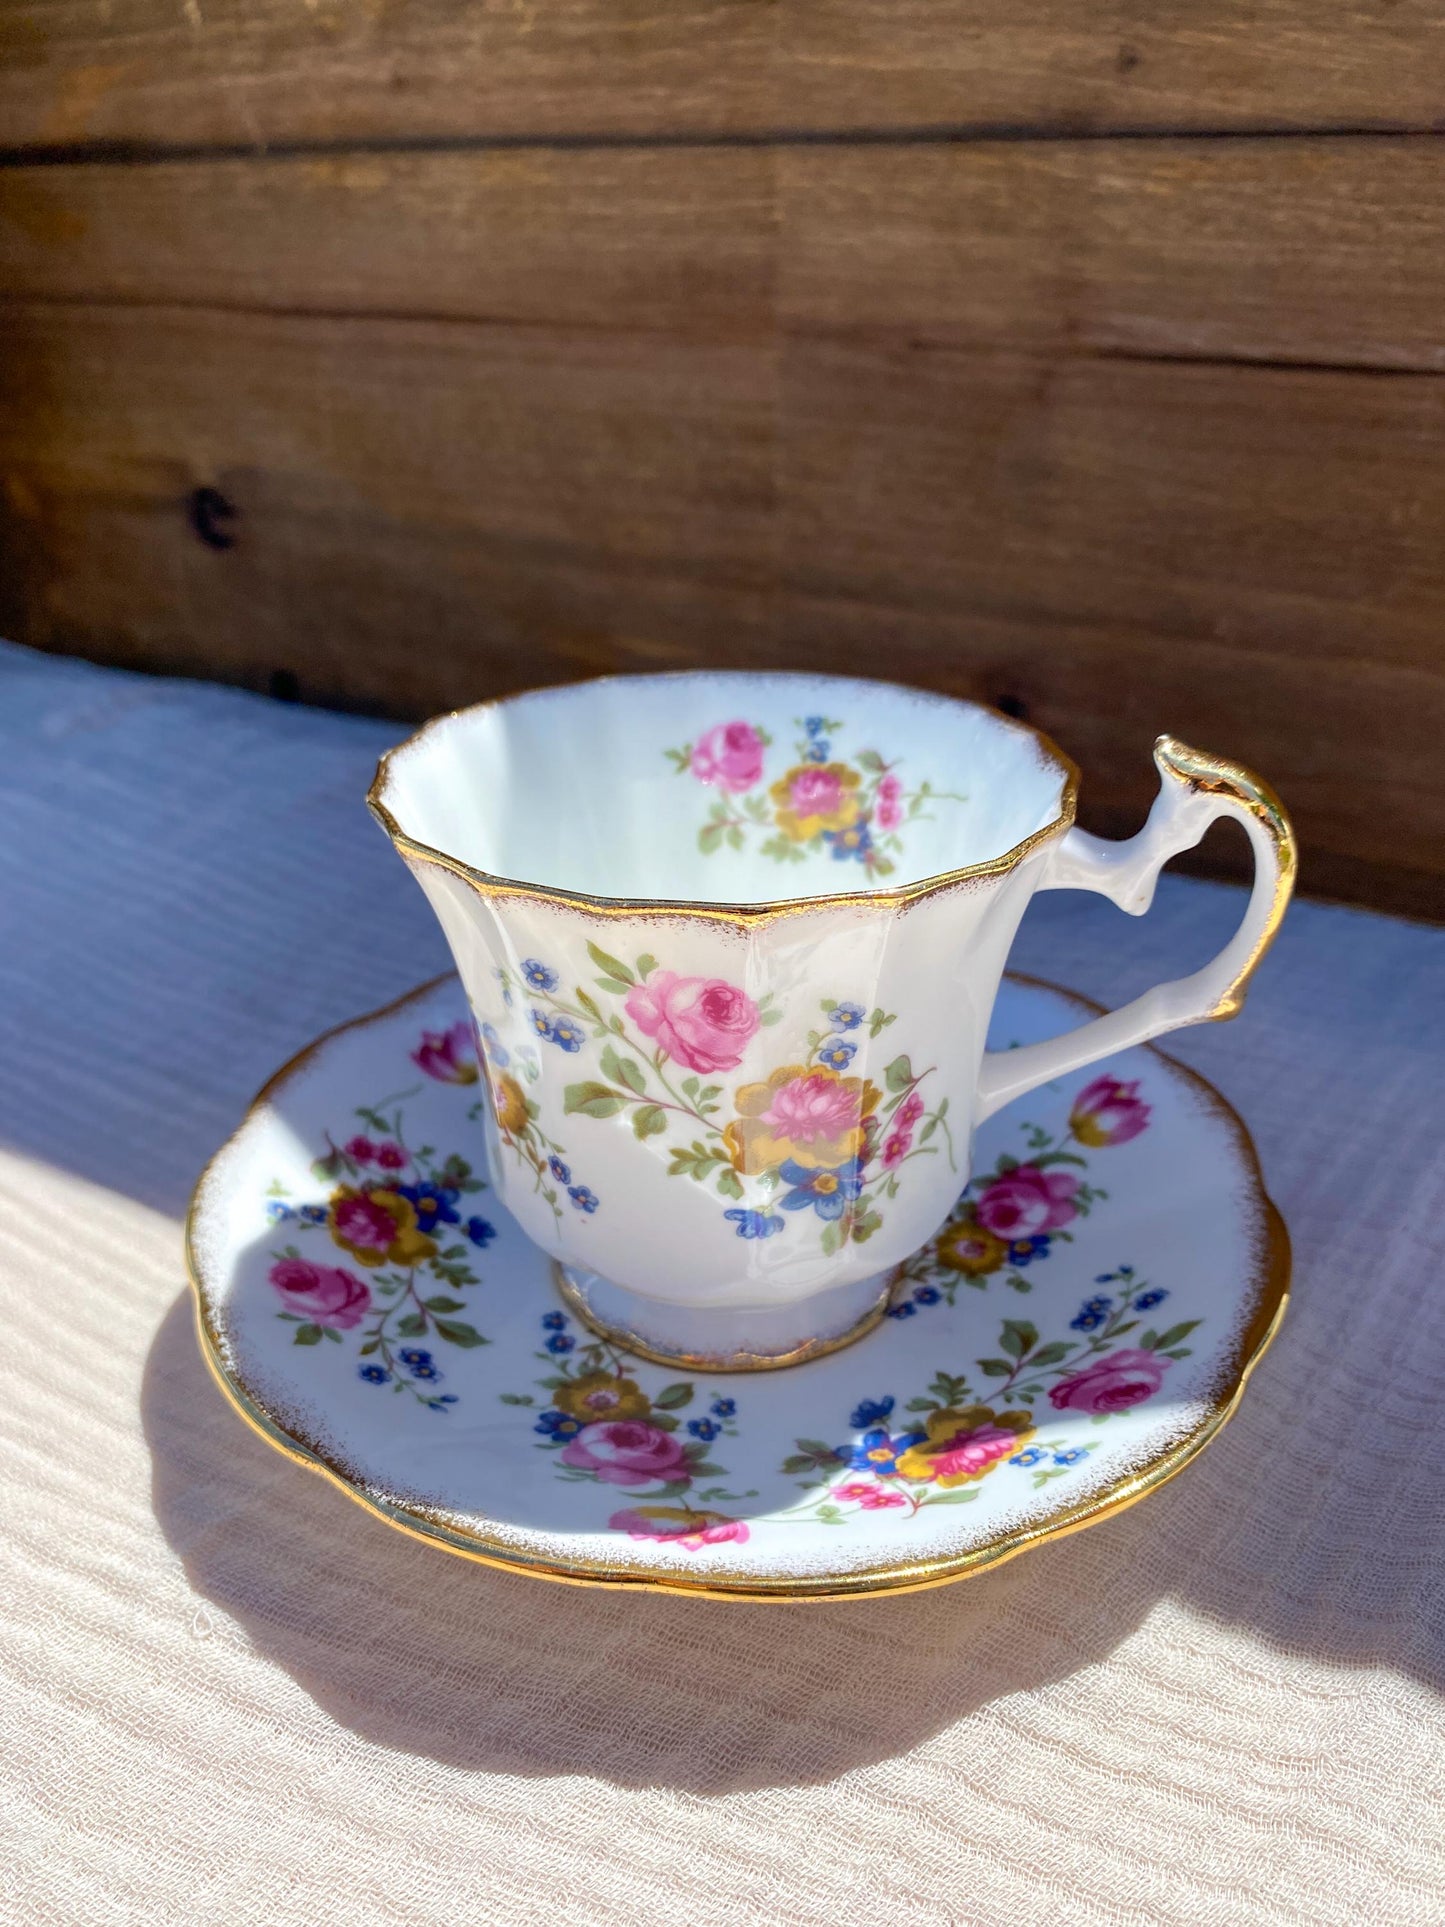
(701, 1021)
(817, 792)
(730, 756)
(447, 1055)
(872, 1498)
(674, 1527)
(324, 1294)
(1113, 1383)
(970, 1454)
(1025, 1202)
(626, 1451)
(890, 803)
(1108, 1112)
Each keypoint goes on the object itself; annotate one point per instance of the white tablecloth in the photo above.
(229, 1695)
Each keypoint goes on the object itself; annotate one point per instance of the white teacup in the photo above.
(732, 943)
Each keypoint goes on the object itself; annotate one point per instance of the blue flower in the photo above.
(1072, 1455)
(1030, 1455)
(554, 1321)
(541, 1023)
(828, 1192)
(846, 1016)
(434, 1203)
(313, 1214)
(877, 1452)
(724, 1407)
(557, 1425)
(480, 1232)
(856, 842)
(906, 1310)
(815, 725)
(559, 1170)
(703, 1428)
(279, 1213)
(584, 1199)
(495, 1050)
(560, 1342)
(1023, 1251)
(872, 1411)
(927, 1295)
(538, 975)
(1092, 1314)
(567, 1032)
(817, 752)
(838, 1054)
(754, 1224)
(1146, 1301)
(418, 1363)
(374, 1374)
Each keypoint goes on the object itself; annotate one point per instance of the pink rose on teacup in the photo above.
(626, 1451)
(703, 1022)
(890, 802)
(447, 1055)
(1027, 1202)
(324, 1294)
(1107, 1112)
(674, 1527)
(729, 756)
(1111, 1384)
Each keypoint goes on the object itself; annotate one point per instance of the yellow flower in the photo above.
(601, 1395)
(809, 1114)
(510, 1104)
(377, 1227)
(814, 797)
(965, 1444)
(967, 1247)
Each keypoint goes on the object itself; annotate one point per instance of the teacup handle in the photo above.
(1194, 790)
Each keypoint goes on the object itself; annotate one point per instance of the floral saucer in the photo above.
(1079, 1329)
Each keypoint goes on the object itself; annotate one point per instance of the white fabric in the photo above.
(227, 1694)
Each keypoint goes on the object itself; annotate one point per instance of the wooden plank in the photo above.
(426, 512)
(1317, 250)
(260, 72)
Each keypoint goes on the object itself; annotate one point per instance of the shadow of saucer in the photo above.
(488, 1670)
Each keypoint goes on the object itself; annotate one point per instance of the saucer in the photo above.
(1081, 1327)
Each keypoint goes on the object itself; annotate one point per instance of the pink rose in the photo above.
(447, 1055)
(361, 1149)
(324, 1294)
(700, 1530)
(1108, 1112)
(909, 1112)
(890, 803)
(813, 1108)
(1111, 1384)
(973, 1452)
(896, 1149)
(1026, 1202)
(625, 1451)
(731, 756)
(816, 792)
(363, 1225)
(872, 1498)
(701, 1021)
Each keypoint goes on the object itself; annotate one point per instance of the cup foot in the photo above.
(702, 1340)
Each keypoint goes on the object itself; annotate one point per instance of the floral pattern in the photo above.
(814, 1140)
(854, 809)
(509, 1071)
(605, 1429)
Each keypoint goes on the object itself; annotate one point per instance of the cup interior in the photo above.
(721, 787)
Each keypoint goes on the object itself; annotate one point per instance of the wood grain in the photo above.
(430, 510)
(254, 73)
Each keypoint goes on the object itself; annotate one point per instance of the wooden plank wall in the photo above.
(398, 354)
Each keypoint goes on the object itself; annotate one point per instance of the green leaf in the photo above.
(307, 1335)
(919, 1405)
(371, 1345)
(709, 838)
(613, 966)
(590, 1005)
(821, 1453)
(690, 1086)
(412, 1326)
(594, 1099)
(622, 1070)
(899, 1074)
(1017, 1337)
(772, 1017)
(869, 759)
(734, 837)
(798, 1462)
(646, 964)
(443, 1303)
(334, 1336)
(994, 1367)
(1050, 1354)
(665, 1420)
(961, 1495)
(648, 1120)
(729, 1184)
(832, 1237)
(456, 1332)
(673, 1397)
(1176, 1334)
(515, 1398)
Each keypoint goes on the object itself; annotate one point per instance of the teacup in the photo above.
(731, 943)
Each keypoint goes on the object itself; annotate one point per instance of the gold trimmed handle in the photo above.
(1194, 790)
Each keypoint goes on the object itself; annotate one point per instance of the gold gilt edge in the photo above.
(1272, 1285)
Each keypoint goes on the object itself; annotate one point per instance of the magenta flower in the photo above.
(323, 1294)
(703, 1022)
(1025, 1202)
(361, 1149)
(1112, 1383)
(909, 1112)
(674, 1527)
(390, 1157)
(1107, 1112)
(447, 1055)
(890, 802)
(872, 1498)
(627, 1452)
(896, 1148)
(729, 756)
